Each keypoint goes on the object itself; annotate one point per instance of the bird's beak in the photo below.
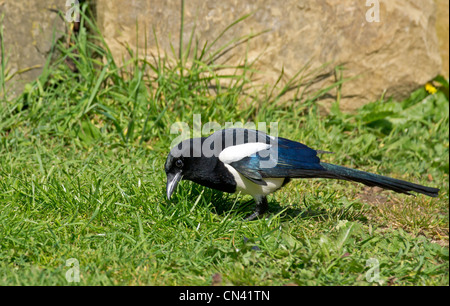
(172, 182)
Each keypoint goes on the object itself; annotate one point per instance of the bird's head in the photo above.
(185, 162)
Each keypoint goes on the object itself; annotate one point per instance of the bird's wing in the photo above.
(257, 155)
(241, 157)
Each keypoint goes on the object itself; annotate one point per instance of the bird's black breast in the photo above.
(219, 178)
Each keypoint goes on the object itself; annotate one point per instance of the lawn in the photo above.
(82, 182)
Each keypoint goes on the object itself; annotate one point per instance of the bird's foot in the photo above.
(253, 216)
(261, 207)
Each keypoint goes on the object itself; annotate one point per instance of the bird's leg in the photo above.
(260, 209)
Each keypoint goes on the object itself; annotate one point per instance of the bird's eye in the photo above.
(179, 163)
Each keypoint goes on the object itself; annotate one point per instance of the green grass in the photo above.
(81, 176)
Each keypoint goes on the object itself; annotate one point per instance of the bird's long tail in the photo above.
(370, 179)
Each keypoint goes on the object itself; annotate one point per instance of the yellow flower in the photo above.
(430, 88)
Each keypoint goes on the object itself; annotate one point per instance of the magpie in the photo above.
(254, 163)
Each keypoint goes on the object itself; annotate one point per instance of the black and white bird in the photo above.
(254, 163)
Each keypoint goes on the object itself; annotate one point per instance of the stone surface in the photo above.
(404, 50)
(393, 56)
(442, 7)
(28, 29)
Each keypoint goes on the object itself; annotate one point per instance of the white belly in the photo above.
(246, 186)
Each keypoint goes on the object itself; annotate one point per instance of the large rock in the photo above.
(405, 49)
(28, 29)
(442, 32)
(393, 56)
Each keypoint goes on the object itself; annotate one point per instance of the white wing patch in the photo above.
(238, 152)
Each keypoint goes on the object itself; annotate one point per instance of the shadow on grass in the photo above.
(224, 204)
